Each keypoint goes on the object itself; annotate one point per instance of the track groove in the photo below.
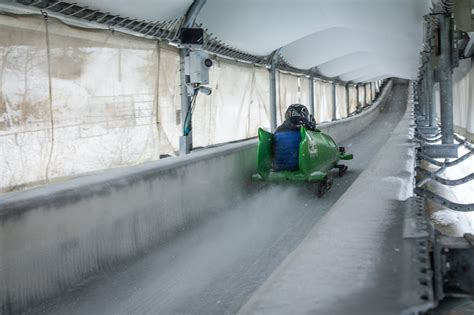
(216, 266)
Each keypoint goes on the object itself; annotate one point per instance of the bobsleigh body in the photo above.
(318, 154)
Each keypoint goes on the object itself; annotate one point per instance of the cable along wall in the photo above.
(76, 100)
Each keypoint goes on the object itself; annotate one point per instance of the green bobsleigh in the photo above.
(318, 154)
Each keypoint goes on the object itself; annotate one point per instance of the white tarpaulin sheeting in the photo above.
(463, 97)
(362, 101)
(288, 86)
(323, 101)
(304, 91)
(77, 101)
(90, 105)
(104, 100)
(352, 98)
(368, 94)
(237, 107)
(341, 111)
(366, 39)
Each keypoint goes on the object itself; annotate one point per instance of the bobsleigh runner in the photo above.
(317, 154)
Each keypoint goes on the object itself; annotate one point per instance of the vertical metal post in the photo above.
(273, 96)
(446, 80)
(420, 98)
(357, 97)
(311, 95)
(447, 148)
(429, 93)
(334, 102)
(348, 105)
(273, 121)
(423, 98)
(186, 140)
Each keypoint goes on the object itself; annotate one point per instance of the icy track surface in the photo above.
(214, 267)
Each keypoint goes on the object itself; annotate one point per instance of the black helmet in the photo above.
(297, 110)
(311, 122)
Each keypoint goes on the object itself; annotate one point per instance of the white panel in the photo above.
(362, 101)
(237, 107)
(352, 98)
(312, 33)
(304, 91)
(338, 36)
(287, 93)
(223, 115)
(463, 97)
(102, 112)
(341, 111)
(323, 101)
(261, 26)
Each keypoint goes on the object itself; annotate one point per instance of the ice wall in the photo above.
(55, 236)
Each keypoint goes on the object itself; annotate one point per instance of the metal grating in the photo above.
(165, 30)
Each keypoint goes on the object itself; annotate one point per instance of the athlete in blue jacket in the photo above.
(287, 137)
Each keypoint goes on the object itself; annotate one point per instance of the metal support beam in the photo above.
(425, 99)
(444, 164)
(334, 103)
(415, 261)
(193, 12)
(311, 95)
(454, 276)
(429, 93)
(441, 150)
(348, 105)
(427, 120)
(418, 98)
(444, 181)
(447, 148)
(422, 100)
(273, 93)
(443, 201)
(446, 79)
(186, 140)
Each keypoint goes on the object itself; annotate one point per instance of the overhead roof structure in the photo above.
(350, 40)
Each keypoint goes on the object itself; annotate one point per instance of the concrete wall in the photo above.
(53, 237)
